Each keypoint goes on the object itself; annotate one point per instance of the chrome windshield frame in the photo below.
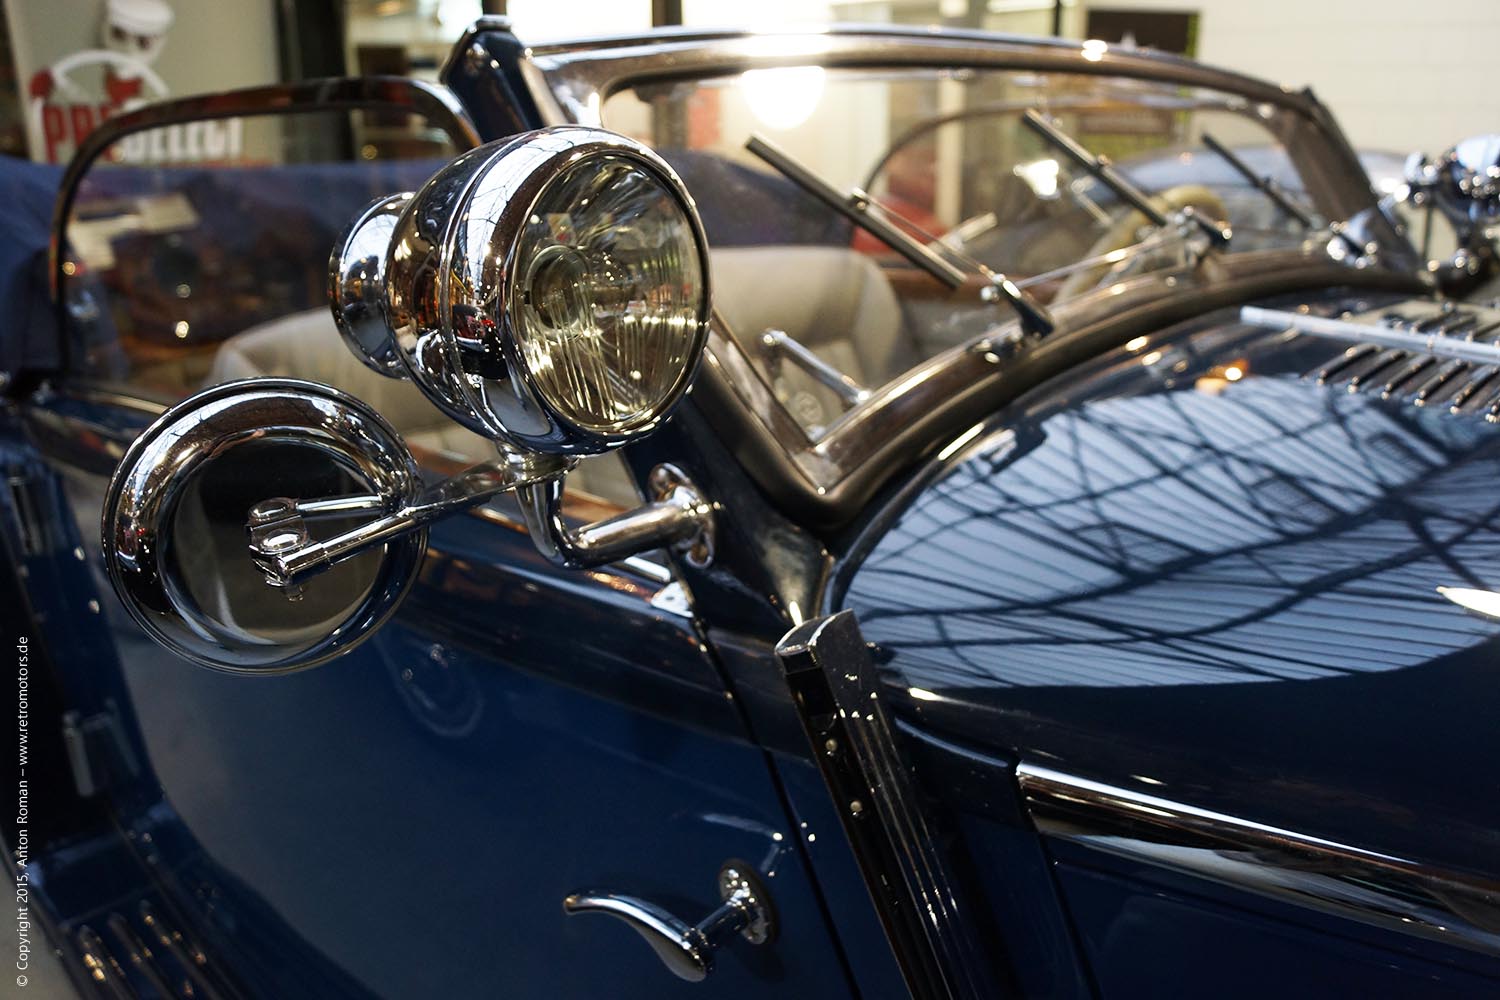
(305, 97)
(827, 481)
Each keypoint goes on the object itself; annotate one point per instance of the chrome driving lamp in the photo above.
(549, 292)
(1464, 185)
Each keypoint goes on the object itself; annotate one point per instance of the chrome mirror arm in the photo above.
(283, 549)
(678, 517)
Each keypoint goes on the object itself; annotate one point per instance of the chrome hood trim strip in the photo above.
(1377, 889)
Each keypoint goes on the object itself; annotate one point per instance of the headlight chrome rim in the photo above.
(458, 335)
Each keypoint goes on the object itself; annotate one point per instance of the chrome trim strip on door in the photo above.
(1377, 889)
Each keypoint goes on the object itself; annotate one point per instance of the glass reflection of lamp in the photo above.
(1485, 603)
(1041, 176)
(785, 97)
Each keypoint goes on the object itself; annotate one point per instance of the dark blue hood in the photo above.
(1192, 569)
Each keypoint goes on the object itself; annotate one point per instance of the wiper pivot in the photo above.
(1274, 193)
(1102, 170)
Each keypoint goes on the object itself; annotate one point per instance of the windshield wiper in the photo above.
(864, 211)
(1100, 168)
(1269, 188)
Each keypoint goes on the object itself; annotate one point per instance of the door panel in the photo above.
(405, 820)
(416, 810)
(1146, 940)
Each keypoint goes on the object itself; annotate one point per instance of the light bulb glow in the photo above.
(611, 292)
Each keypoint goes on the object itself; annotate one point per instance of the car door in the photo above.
(405, 820)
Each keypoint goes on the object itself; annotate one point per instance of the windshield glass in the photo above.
(947, 153)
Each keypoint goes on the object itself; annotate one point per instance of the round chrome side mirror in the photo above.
(210, 484)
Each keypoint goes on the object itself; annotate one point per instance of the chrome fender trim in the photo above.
(1377, 889)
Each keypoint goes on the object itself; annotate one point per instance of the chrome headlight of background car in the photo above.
(550, 292)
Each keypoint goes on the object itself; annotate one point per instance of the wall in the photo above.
(1398, 75)
(209, 46)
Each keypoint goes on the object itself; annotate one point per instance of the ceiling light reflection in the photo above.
(783, 98)
(1040, 175)
(1481, 602)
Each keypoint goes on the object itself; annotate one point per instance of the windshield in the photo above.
(946, 153)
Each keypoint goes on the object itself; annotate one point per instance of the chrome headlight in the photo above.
(550, 291)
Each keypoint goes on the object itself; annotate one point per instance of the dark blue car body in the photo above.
(1163, 651)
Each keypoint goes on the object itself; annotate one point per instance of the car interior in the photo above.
(177, 314)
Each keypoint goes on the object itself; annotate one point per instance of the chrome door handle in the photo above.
(688, 949)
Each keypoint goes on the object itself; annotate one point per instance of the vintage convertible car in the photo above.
(1066, 570)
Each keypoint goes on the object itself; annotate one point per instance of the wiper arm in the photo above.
(1105, 173)
(864, 211)
(1266, 187)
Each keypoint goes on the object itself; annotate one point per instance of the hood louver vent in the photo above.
(1418, 377)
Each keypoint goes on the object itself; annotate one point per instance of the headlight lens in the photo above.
(548, 291)
(610, 294)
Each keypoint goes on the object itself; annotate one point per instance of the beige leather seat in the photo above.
(307, 345)
(833, 300)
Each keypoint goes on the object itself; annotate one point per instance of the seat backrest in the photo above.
(307, 345)
(833, 300)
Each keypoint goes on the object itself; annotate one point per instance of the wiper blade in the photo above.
(864, 211)
(1266, 187)
(1100, 168)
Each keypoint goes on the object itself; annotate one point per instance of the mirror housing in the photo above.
(185, 491)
